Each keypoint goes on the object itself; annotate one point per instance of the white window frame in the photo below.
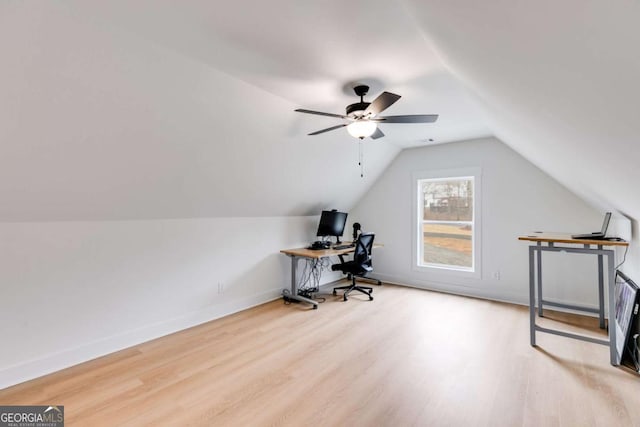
(439, 269)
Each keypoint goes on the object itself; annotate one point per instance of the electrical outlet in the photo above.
(496, 275)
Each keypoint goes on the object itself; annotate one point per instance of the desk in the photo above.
(297, 253)
(557, 242)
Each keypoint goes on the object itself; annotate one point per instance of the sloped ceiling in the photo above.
(559, 83)
(147, 109)
(165, 109)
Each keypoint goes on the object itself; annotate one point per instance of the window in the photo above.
(447, 221)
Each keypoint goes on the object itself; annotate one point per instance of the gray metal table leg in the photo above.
(294, 285)
(533, 281)
(601, 289)
(294, 273)
(532, 297)
(540, 299)
(612, 308)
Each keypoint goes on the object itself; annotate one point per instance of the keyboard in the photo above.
(340, 247)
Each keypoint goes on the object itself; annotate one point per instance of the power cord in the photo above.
(624, 257)
(310, 278)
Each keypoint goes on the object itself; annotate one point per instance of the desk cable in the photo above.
(624, 258)
(310, 279)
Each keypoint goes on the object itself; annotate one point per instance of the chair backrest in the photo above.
(364, 246)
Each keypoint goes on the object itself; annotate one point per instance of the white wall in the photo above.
(564, 92)
(72, 291)
(516, 198)
(104, 135)
(99, 124)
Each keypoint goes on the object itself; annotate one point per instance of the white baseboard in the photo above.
(53, 362)
(452, 289)
(512, 298)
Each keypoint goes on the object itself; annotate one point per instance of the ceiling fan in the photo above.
(363, 119)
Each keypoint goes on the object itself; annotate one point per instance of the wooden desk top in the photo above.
(323, 253)
(566, 238)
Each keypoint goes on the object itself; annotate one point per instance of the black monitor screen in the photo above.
(332, 223)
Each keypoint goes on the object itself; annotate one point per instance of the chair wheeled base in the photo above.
(368, 279)
(353, 287)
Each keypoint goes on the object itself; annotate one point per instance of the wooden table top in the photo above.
(566, 238)
(322, 253)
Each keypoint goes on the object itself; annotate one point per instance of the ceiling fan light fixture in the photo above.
(362, 129)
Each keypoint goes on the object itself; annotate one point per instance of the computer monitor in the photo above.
(332, 224)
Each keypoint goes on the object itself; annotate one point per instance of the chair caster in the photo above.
(334, 293)
(315, 307)
(344, 298)
(370, 298)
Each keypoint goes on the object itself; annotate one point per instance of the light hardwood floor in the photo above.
(410, 357)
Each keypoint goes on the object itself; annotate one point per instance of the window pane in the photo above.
(448, 200)
(449, 244)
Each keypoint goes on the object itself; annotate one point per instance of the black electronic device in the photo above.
(627, 301)
(320, 245)
(332, 224)
(596, 235)
(356, 227)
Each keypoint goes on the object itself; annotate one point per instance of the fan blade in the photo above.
(416, 118)
(381, 103)
(320, 113)
(377, 134)
(329, 129)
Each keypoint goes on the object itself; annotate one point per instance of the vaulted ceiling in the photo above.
(558, 81)
(164, 109)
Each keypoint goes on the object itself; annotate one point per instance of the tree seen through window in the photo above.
(447, 222)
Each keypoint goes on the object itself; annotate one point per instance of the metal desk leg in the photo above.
(294, 285)
(294, 271)
(601, 289)
(539, 256)
(532, 297)
(612, 308)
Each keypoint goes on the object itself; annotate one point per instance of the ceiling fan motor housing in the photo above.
(358, 107)
(356, 110)
(361, 90)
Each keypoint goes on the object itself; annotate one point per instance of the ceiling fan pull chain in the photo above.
(361, 158)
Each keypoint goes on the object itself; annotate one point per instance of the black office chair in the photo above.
(360, 266)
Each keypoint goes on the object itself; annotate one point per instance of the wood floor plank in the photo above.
(410, 357)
